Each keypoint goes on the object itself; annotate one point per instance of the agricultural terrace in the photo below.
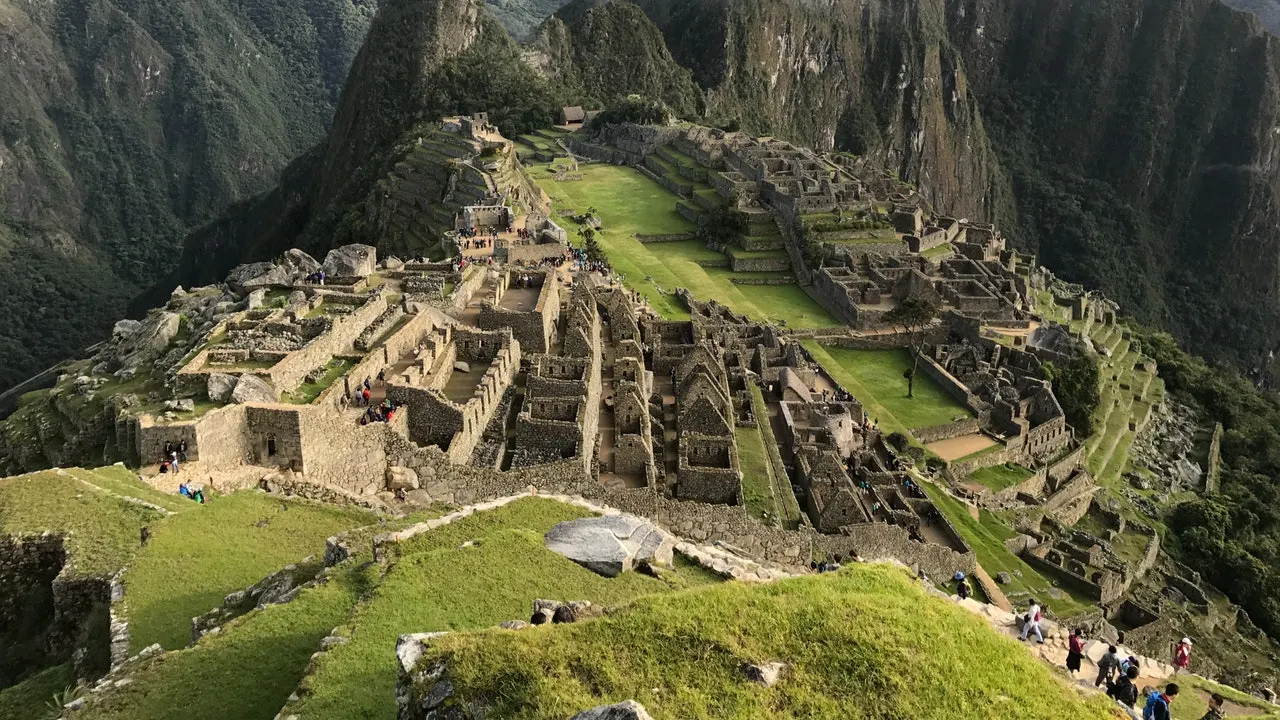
(875, 379)
(986, 535)
(628, 203)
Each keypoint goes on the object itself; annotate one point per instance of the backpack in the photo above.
(1149, 710)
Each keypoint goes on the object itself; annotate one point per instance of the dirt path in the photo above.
(958, 447)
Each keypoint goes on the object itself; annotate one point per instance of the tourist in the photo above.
(1108, 665)
(382, 377)
(367, 384)
(358, 396)
(173, 457)
(1031, 621)
(1157, 706)
(564, 615)
(168, 448)
(1125, 690)
(834, 565)
(1182, 656)
(1217, 707)
(962, 586)
(1127, 663)
(539, 618)
(164, 467)
(183, 490)
(1075, 651)
(366, 395)
(198, 495)
(182, 450)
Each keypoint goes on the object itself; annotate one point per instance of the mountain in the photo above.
(123, 123)
(1268, 12)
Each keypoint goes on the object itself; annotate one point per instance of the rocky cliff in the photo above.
(122, 124)
(1131, 144)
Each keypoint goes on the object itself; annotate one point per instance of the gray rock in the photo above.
(256, 298)
(300, 262)
(251, 276)
(180, 405)
(297, 297)
(766, 674)
(625, 710)
(253, 389)
(219, 386)
(611, 544)
(461, 366)
(125, 328)
(147, 341)
(75, 705)
(351, 261)
(1003, 578)
(392, 263)
(401, 478)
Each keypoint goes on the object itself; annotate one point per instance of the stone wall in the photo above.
(343, 331)
(224, 436)
(951, 385)
(947, 431)
(275, 435)
(761, 264)
(1076, 582)
(153, 436)
(534, 253)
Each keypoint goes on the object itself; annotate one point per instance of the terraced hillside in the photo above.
(1130, 388)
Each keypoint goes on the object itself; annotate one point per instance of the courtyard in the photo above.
(630, 204)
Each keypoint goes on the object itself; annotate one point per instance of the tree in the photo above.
(913, 314)
(1077, 385)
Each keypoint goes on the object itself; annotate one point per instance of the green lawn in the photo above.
(757, 478)
(249, 668)
(101, 531)
(628, 203)
(986, 536)
(866, 642)
(875, 379)
(122, 481)
(307, 392)
(784, 498)
(197, 557)
(999, 477)
(437, 583)
(31, 699)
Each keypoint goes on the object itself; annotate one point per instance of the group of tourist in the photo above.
(196, 494)
(384, 411)
(524, 234)
(585, 264)
(315, 278)
(478, 243)
(174, 454)
(523, 280)
(826, 566)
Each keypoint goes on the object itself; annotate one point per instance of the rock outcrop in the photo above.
(625, 710)
(611, 544)
(351, 261)
(253, 389)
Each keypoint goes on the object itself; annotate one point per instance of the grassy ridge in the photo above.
(197, 557)
(867, 642)
(440, 582)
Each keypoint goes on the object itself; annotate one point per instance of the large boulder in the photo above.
(253, 389)
(402, 478)
(351, 261)
(219, 386)
(299, 262)
(625, 710)
(611, 544)
(144, 342)
(251, 276)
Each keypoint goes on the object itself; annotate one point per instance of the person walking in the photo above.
(1108, 665)
(1031, 621)
(1075, 651)
(1217, 708)
(962, 586)
(1124, 690)
(1157, 706)
(173, 460)
(1182, 656)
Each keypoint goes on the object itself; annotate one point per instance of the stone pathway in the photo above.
(993, 592)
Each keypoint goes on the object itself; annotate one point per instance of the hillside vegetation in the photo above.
(123, 125)
(867, 642)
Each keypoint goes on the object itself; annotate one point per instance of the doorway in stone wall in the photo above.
(271, 446)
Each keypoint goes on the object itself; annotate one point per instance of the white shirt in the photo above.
(1035, 610)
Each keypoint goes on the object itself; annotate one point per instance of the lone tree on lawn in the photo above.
(913, 314)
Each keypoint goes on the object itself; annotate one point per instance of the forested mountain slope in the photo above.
(125, 122)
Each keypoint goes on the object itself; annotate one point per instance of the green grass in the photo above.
(306, 393)
(122, 481)
(249, 668)
(101, 532)
(784, 497)
(867, 642)
(999, 477)
(31, 698)
(986, 537)
(197, 557)
(628, 204)
(757, 477)
(1193, 700)
(436, 584)
(938, 250)
(875, 379)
